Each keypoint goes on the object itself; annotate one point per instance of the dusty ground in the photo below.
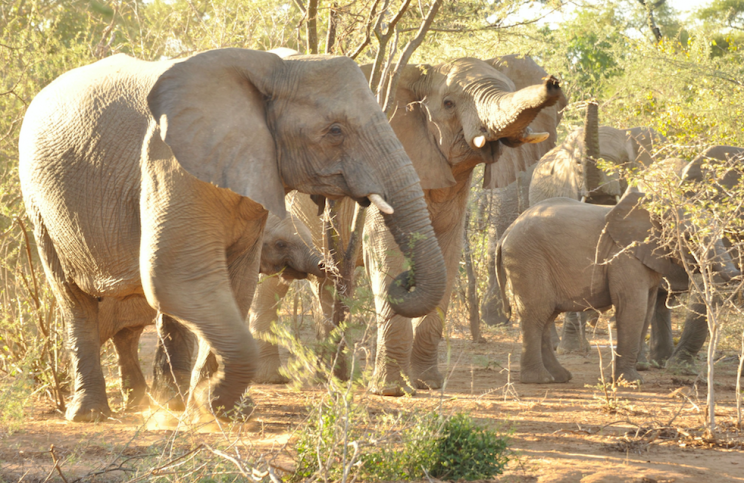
(559, 432)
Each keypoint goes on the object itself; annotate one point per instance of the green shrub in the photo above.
(467, 451)
(396, 446)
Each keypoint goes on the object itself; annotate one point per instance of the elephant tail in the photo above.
(501, 278)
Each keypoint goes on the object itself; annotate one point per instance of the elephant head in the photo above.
(695, 172)
(455, 115)
(633, 228)
(288, 250)
(260, 125)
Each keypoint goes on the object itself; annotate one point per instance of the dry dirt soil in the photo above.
(559, 432)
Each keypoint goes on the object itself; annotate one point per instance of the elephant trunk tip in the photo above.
(552, 86)
(405, 303)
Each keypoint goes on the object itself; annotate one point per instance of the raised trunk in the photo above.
(592, 173)
(507, 116)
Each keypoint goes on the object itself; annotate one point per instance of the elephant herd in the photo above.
(160, 190)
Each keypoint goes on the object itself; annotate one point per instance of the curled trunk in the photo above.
(417, 291)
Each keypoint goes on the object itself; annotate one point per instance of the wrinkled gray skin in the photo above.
(560, 173)
(548, 255)
(441, 110)
(695, 330)
(153, 180)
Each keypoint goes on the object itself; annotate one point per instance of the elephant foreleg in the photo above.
(427, 333)
(633, 314)
(133, 383)
(573, 339)
(263, 312)
(662, 343)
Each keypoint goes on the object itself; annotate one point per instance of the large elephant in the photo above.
(695, 329)
(562, 255)
(449, 117)
(154, 180)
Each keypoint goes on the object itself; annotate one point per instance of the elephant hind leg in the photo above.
(559, 373)
(535, 322)
(80, 312)
(133, 384)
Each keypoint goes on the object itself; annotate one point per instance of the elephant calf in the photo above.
(565, 256)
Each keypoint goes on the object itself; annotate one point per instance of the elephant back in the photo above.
(87, 196)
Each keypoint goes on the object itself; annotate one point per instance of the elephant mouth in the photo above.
(288, 273)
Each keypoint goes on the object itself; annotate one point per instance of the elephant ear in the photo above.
(630, 226)
(211, 111)
(410, 123)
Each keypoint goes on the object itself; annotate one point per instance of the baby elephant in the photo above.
(562, 255)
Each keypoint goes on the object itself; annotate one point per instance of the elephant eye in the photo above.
(448, 104)
(335, 130)
(281, 245)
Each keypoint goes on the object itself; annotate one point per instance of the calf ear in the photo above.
(630, 226)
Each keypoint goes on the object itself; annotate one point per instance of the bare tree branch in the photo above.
(650, 17)
(407, 52)
(331, 36)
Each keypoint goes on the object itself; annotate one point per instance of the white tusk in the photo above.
(535, 137)
(479, 141)
(583, 199)
(381, 204)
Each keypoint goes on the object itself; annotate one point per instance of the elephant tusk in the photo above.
(479, 141)
(381, 204)
(535, 137)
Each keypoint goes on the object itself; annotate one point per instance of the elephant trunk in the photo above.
(417, 291)
(592, 173)
(506, 116)
(314, 265)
